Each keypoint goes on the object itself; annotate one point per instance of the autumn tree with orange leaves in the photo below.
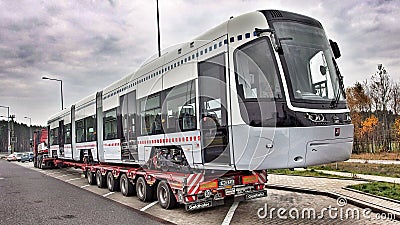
(368, 128)
(359, 103)
(374, 108)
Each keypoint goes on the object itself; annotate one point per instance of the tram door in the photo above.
(61, 138)
(129, 150)
(213, 112)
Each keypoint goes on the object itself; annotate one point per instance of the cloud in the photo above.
(90, 44)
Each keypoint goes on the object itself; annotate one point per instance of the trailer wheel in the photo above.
(112, 183)
(90, 177)
(127, 188)
(143, 191)
(165, 196)
(100, 179)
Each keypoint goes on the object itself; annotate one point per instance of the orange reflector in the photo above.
(249, 179)
(208, 185)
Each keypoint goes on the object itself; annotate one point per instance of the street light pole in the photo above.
(30, 131)
(8, 128)
(158, 29)
(62, 96)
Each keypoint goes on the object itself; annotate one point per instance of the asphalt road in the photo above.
(30, 197)
(70, 200)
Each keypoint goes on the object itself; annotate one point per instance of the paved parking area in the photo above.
(335, 186)
(259, 211)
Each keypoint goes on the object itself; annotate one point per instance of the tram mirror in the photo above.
(335, 49)
(322, 69)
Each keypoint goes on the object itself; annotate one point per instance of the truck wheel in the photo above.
(165, 196)
(127, 188)
(112, 183)
(100, 180)
(90, 177)
(40, 162)
(143, 191)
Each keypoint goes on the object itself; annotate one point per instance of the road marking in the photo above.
(51, 173)
(109, 193)
(230, 213)
(74, 179)
(1, 178)
(63, 175)
(87, 185)
(148, 206)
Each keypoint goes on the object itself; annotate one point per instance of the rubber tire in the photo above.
(112, 183)
(127, 188)
(40, 162)
(165, 196)
(100, 180)
(91, 177)
(143, 191)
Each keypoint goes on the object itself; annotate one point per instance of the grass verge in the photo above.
(387, 170)
(384, 189)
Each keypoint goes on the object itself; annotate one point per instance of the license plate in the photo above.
(226, 182)
(198, 205)
(230, 191)
(255, 195)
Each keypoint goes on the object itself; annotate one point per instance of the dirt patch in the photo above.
(377, 156)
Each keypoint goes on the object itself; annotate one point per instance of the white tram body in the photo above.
(260, 91)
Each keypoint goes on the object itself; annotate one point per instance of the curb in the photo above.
(350, 200)
(372, 195)
(359, 178)
(326, 177)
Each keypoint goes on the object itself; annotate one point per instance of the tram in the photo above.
(260, 91)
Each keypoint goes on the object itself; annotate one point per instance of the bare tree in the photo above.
(381, 88)
(396, 98)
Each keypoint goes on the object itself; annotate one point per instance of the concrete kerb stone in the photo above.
(333, 195)
(327, 177)
(372, 195)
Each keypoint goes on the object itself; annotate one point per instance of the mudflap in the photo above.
(203, 204)
(251, 195)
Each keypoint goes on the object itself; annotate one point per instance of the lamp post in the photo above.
(30, 131)
(8, 128)
(12, 139)
(62, 97)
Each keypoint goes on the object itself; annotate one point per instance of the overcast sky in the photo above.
(90, 44)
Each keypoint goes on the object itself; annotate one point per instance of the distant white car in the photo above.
(18, 155)
(12, 157)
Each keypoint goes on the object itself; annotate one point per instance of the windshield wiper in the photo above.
(335, 101)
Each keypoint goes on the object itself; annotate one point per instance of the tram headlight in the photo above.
(316, 118)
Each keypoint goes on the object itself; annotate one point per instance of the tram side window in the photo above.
(90, 128)
(67, 134)
(54, 136)
(255, 71)
(150, 113)
(110, 125)
(257, 83)
(80, 131)
(180, 108)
